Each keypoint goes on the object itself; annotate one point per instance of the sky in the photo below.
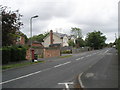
(61, 15)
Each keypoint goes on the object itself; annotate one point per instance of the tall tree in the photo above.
(10, 25)
(117, 43)
(71, 43)
(39, 37)
(77, 32)
(95, 39)
(80, 42)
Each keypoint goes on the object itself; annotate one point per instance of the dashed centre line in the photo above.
(79, 58)
(24, 76)
(86, 56)
(62, 64)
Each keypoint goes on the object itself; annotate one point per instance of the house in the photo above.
(20, 40)
(72, 37)
(54, 39)
(35, 43)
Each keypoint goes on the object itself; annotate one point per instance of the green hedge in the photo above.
(13, 54)
(66, 52)
(6, 54)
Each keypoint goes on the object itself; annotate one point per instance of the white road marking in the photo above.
(106, 51)
(81, 84)
(30, 74)
(87, 56)
(78, 59)
(62, 64)
(21, 77)
(67, 84)
(88, 75)
(82, 57)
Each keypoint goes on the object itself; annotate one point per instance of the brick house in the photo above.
(35, 43)
(55, 38)
(20, 40)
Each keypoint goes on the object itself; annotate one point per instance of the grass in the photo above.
(65, 56)
(19, 65)
(4, 67)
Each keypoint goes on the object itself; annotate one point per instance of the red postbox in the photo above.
(32, 51)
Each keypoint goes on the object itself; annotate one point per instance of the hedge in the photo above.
(13, 54)
(66, 52)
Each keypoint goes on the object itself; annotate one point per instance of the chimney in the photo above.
(51, 37)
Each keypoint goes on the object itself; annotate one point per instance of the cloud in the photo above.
(61, 15)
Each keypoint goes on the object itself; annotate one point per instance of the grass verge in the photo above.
(65, 56)
(19, 65)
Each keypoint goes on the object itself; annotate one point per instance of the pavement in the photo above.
(55, 73)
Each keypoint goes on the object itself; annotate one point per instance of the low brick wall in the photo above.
(28, 54)
(51, 52)
(45, 52)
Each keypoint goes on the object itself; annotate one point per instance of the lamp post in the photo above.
(31, 26)
(32, 51)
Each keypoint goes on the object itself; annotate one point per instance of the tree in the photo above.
(10, 25)
(77, 32)
(80, 42)
(39, 37)
(26, 39)
(95, 39)
(71, 43)
(117, 42)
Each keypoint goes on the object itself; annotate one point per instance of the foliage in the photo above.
(6, 55)
(77, 32)
(39, 37)
(80, 42)
(118, 44)
(66, 52)
(95, 39)
(10, 25)
(19, 33)
(110, 44)
(71, 43)
(26, 39)
(13, 54)
(66, 56)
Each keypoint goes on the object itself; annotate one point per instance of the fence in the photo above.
(78, 50)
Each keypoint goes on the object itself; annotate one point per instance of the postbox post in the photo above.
(32, 55)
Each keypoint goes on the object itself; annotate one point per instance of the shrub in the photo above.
(13, 54)
(66, 52)
(6, 54)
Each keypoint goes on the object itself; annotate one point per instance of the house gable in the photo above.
(65, 41)
(56, 40)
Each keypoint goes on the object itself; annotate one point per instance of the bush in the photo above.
(66, 52)
(6, 54)
(13, 54)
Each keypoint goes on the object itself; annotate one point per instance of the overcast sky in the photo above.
(61, 15)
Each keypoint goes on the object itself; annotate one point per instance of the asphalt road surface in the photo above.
(104, 74)
(56, 73)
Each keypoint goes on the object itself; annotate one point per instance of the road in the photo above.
(55, 73)
(104, 74)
